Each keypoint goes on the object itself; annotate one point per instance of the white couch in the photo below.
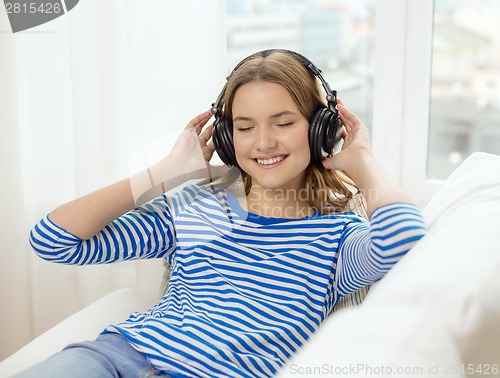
(86, 324)
(436, 314)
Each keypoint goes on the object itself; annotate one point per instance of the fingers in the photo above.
(344, 133)
(206, 134)
(348, 118)
(199, 121)
(211, 146)
(351, 122)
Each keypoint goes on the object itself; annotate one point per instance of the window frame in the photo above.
(402, 81)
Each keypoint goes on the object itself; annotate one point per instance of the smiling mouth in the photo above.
(271, 161)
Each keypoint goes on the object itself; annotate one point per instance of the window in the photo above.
(336, 35)
(425, 97)
(465, 85)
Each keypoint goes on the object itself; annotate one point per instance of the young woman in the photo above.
(260, 257)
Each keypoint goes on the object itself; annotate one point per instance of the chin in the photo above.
(274, 183)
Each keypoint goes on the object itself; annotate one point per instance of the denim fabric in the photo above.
(109, 355)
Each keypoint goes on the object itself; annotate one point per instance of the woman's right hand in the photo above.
(191, 154)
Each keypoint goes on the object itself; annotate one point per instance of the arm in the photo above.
(86, 216)
(102, 227)
(145, 232)
(368, 250)
(359, 162)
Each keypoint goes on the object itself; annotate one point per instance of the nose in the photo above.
(266, 140)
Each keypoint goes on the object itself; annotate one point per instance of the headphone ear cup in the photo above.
(336, 134)
(332, 137)
(313, 137)
(323, 133)
(222, 136)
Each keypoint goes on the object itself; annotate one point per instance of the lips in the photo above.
(271, 160)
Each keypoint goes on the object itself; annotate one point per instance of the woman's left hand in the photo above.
(356, 141)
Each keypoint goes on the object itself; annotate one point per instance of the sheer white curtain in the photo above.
(79, 96)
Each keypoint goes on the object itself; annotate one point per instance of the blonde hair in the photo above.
(328, 191)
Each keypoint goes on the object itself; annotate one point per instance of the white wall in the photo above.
(15, 325)
(66, 89)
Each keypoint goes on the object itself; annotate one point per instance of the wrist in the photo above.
(162, 171)
(151, 182)
(375, 183)
(362, 167)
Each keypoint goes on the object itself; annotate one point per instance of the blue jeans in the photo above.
(110, 355)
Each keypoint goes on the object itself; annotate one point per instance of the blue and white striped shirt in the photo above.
(246, 291)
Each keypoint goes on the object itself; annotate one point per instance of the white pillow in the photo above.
(389, 341)
(437, 312)
(453, 273)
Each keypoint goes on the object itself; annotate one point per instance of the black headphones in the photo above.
(325, 128)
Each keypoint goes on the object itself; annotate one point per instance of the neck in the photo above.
(278, 203)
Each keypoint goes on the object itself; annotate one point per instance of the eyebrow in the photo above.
(276, 115)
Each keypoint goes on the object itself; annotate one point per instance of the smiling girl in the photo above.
(255, 272)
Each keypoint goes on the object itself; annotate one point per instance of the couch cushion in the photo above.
(453, 273)
(86, 324)
(437, 311)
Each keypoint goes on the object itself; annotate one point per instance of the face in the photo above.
(270, 136)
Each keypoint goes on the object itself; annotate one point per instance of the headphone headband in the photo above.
(331, 95)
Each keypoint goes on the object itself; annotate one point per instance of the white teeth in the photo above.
(270, 161)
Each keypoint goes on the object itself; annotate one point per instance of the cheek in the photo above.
(300, 145)
(240, 145)
(300, 139)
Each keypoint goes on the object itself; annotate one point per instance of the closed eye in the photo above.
(243, 129)
(284, 124)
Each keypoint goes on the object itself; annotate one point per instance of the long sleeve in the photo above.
(368, 251)
(145, 232)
